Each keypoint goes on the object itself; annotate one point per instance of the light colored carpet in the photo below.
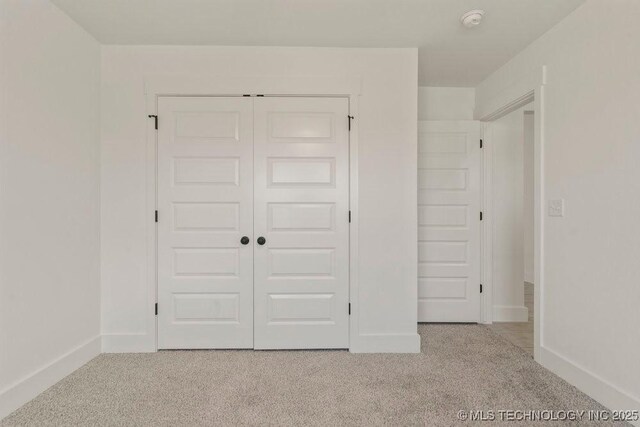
(461, 367)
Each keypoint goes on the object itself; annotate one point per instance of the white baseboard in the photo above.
(510, 313)
(386, 343)
(128, 343)
(589, 383)
(371, 343)
(19, 393)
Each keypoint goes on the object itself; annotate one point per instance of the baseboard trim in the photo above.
(21, 392)
(510, 313)
(589, 383)
(386, 343)
(368, 343)
(128, 343)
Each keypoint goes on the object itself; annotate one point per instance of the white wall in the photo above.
(49, 196)
(507, 145)
(528, 205)
(591, 137)
(446, 103)
(387, 267)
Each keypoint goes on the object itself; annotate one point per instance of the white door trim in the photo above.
(531, 89)
(210, 85)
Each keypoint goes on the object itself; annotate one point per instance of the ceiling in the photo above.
(450, 55)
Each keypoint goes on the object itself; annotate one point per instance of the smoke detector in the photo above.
(472, 18)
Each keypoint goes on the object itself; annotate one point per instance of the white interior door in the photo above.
(205, 205)
(449, 222)
(301, 162)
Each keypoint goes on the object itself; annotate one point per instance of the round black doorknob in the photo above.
(244, 240)
(261, 241)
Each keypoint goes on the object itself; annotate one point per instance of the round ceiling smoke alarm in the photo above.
(472, 18)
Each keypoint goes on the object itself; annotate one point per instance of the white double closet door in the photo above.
(253, 224)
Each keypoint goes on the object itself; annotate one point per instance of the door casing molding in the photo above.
(190, 85)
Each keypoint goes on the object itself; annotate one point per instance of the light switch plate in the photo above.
(556, 207)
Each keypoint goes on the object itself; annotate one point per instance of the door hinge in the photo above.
(155, 117)
(480, 215)
(480, 287)
(480, 143)
(350, 118)
(156, 309)
(349, 216)
(156, 216)
(349, 309)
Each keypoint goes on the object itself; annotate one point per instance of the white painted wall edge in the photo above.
(385, 343)
(589, 383)
(510, 313)
(446, 103)
(17, 394)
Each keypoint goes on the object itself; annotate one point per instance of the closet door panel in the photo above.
(301, 208)
(205, 206)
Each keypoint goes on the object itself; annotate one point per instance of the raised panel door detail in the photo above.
(301, 216)
(206, 307)
(442, 216)
(208, 125)
(443, 179)
(301, 308)
(442, 287)
(205, 262)
(300, 262)
(443, 143)
(206, 216)
(207, 171)
(301, 127)
(301, 172)
(443, 252)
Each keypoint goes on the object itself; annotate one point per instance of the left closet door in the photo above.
(205, 206)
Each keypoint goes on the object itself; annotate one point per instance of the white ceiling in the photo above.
(450, 55)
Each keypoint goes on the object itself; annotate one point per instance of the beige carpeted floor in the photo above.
(465, 367)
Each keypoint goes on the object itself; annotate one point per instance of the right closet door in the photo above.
(301, 223)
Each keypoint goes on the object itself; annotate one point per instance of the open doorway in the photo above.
(512, 144)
